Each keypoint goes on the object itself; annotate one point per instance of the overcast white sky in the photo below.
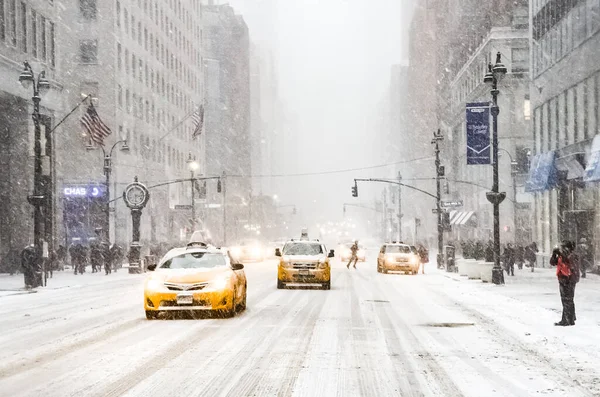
(333, 58)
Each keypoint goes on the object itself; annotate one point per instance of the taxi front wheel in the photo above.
(280, 285)
(327, 285)
(151, 314)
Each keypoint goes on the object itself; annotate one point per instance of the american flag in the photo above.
(198, 119)
(95, 128)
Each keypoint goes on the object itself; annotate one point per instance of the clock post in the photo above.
(136, 197)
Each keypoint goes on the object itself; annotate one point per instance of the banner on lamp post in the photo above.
(478, 134)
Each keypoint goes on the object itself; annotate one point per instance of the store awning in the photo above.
(592, 171)
(461, 218)
(542, 172)
(571, 160)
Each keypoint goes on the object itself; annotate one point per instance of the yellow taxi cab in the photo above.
(398, 257)
(304, 262)
(195, 278)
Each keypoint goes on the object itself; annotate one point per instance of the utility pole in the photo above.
(439, 174)
(399, 207)
(385, 225)
(224, 209)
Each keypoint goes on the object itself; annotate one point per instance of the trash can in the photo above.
(450, 252)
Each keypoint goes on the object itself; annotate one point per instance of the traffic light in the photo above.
(355, 190)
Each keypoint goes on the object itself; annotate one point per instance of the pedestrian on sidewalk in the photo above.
(567, 271)
(354, 256)
(509, 259)
(530, 254)
(584, 253)
(424, 256)
(519, 256)
(61, 254)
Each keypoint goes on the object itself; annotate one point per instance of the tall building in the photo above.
(140, 64)
(449, 54)
(28, 31)
(228, 111)
(565, 98)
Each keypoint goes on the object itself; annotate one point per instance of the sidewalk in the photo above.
(15, 285)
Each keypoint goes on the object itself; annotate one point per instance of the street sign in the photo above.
(183, 207)
(451, 204)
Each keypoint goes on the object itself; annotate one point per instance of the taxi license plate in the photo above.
(185, 299)
(304, 272)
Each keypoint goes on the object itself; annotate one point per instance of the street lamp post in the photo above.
(439, 174)
(193, 167)
(496, 73)
(40, 86)
(107, 171)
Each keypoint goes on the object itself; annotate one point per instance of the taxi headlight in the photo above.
(155, 285)
(413, 260)
(323, 264)
(286, 264)
(220, 283)
(389, 258)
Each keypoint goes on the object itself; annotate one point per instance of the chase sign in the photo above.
(91, 191)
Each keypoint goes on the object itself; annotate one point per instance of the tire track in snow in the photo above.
(526, 353)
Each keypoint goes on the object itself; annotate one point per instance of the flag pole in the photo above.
(71, 112)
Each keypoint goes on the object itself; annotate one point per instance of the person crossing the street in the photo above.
(354, 256)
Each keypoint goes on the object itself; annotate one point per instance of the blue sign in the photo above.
(478, 134)
(91, 191)
(542, 173)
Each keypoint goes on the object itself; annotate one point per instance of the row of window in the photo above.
(26, 29)
(549, 13)
(155, 81)
(154, 150)
(146, 39)
(582, 22)
(146, 110)
(570, 117)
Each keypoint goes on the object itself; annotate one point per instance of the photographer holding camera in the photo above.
(567, 272)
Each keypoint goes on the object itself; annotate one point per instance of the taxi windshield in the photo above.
(195, 260)
(302, 249)
(397, 249)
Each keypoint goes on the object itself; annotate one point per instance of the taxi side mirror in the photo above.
(237, 266)
(277, 252)
(152, 267)
(331, 254)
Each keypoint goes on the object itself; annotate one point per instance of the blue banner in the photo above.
(478, 134)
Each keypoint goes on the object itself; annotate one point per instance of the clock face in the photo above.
(136, 195)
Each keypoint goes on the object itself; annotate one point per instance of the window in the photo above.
(132, 27)
(120, 95)
(12, 21)
(33, 19)
(134, 104)
(140, 70)
(88, 9)
(52, 44)
(119, 60)
(128, 100)
(88, 51)
(43, 38)
(125, 19)
(2, 21)
(118, 12)
(23, 38)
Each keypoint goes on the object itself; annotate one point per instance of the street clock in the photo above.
(136, 195)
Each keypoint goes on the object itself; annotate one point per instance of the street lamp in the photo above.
(40, 86)
(107, 171)
(493, 76)
(193, 166)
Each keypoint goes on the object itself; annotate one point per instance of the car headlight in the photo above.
(323, 264)
(154, 285)
(285, 264)
(414, 260)
(220, 283)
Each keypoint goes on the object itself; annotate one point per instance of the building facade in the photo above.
(565, 96)
(28, 32)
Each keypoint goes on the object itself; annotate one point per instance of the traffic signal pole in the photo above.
(439, 174)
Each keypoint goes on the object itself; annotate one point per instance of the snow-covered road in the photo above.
(371, 335)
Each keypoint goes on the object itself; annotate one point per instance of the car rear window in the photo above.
(397, 249)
